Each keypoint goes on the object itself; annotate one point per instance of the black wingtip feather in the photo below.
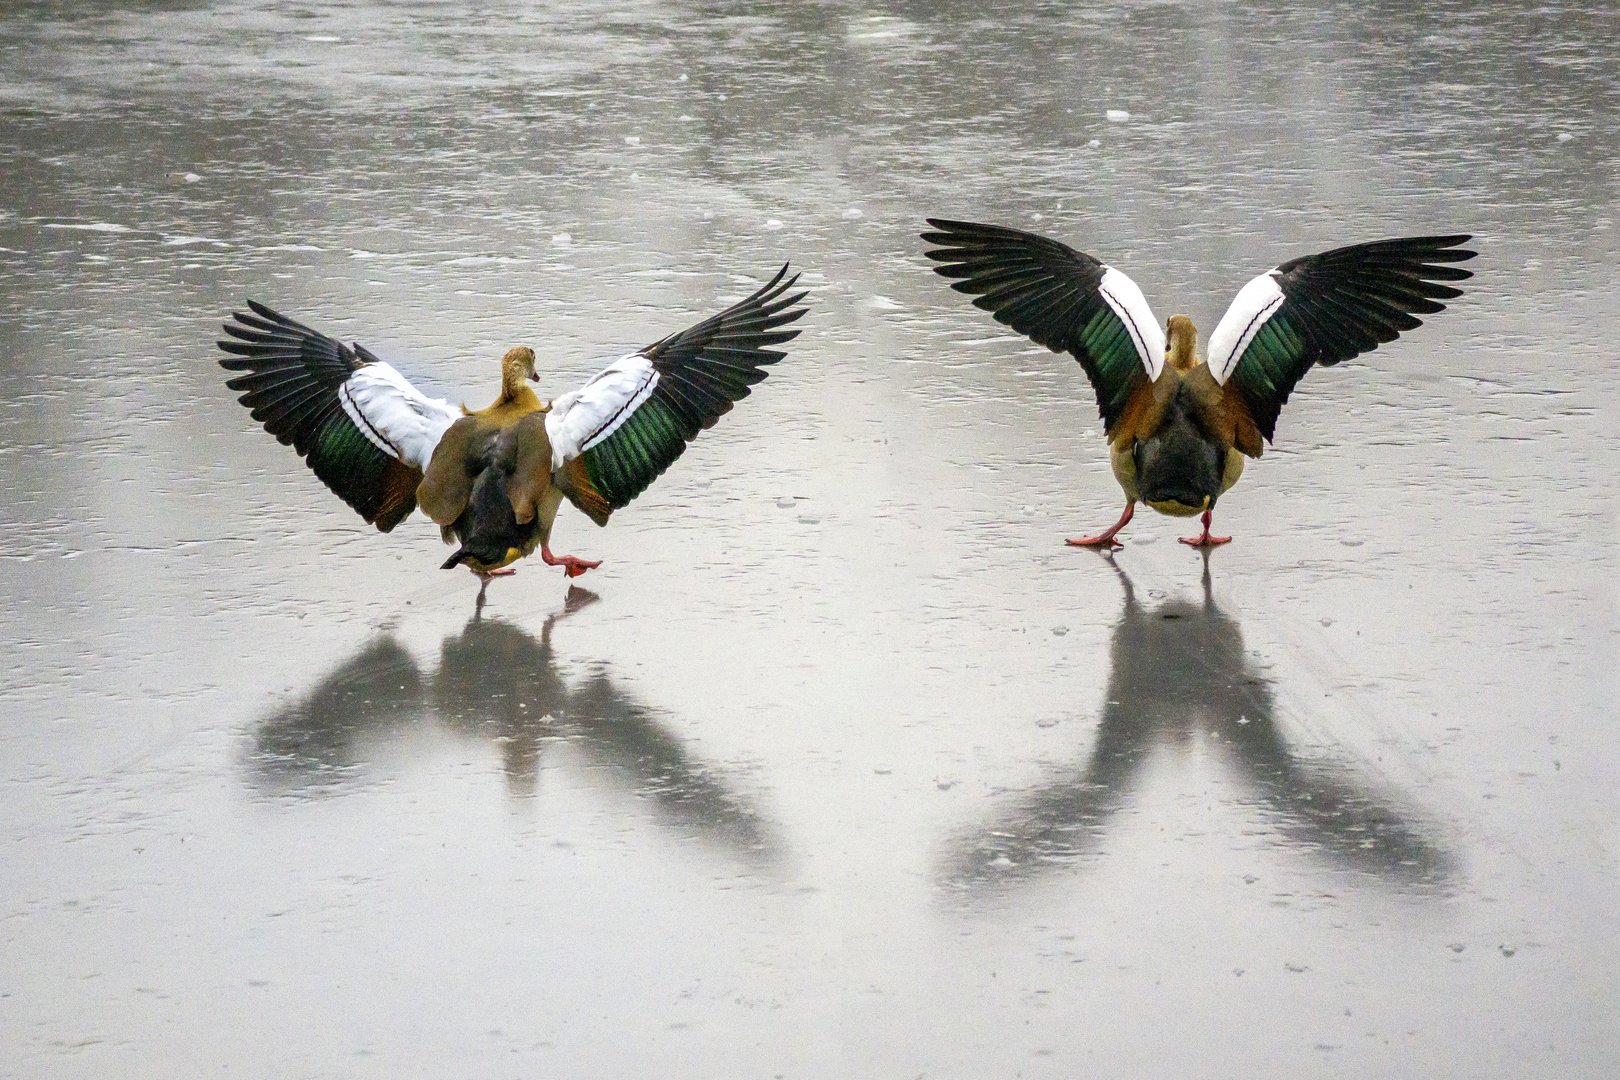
(703, 371)
(1348, 301)
(1045, 290)
(291, 384)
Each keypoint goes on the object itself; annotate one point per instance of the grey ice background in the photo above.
(850, 768)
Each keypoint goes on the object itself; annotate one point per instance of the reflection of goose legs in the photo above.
(576, 600)
(496, 680)
(485, 578)
(1125, 583)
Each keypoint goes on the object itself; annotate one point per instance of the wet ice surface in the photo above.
(843, 764)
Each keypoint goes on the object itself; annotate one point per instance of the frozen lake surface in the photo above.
(842, 765)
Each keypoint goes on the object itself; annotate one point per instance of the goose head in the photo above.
(1181, 348)
(517, 367)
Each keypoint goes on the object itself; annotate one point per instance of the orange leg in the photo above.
(1206, 540)
(1106, 537)
(572, 567)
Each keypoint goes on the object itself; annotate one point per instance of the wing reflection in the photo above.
(315, 744)
(1180, 672)
(496, 682)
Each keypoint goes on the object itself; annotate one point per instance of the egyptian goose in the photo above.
(494, 479)
(1178, 426)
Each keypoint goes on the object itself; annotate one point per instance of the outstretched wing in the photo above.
(1058, 297)
(615, 435)
(365, 431)
(1324, 308)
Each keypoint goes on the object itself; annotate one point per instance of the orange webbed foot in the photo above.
(1101, 540)
(1205, 540)
(572, 567)
(1105, 539)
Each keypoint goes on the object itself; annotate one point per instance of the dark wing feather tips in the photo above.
(1047, 291)
(702, 372)
(1339, 304)
(292, 383)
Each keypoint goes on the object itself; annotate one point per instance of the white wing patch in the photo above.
(582, 418)
(395, 415)
(1121, 294)
(1251, 308)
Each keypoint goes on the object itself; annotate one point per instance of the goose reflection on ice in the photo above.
(496, 682)
(1179, 672)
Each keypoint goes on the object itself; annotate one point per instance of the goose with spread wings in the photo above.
(1179, 426)
(493, 479)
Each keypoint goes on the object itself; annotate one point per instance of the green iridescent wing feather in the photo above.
(622, 466)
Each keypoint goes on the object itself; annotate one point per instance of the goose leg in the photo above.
(1206, 540)
(572, 567)
(486, 575)
(1105, 539)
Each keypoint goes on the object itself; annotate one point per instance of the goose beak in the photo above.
(534, 376)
